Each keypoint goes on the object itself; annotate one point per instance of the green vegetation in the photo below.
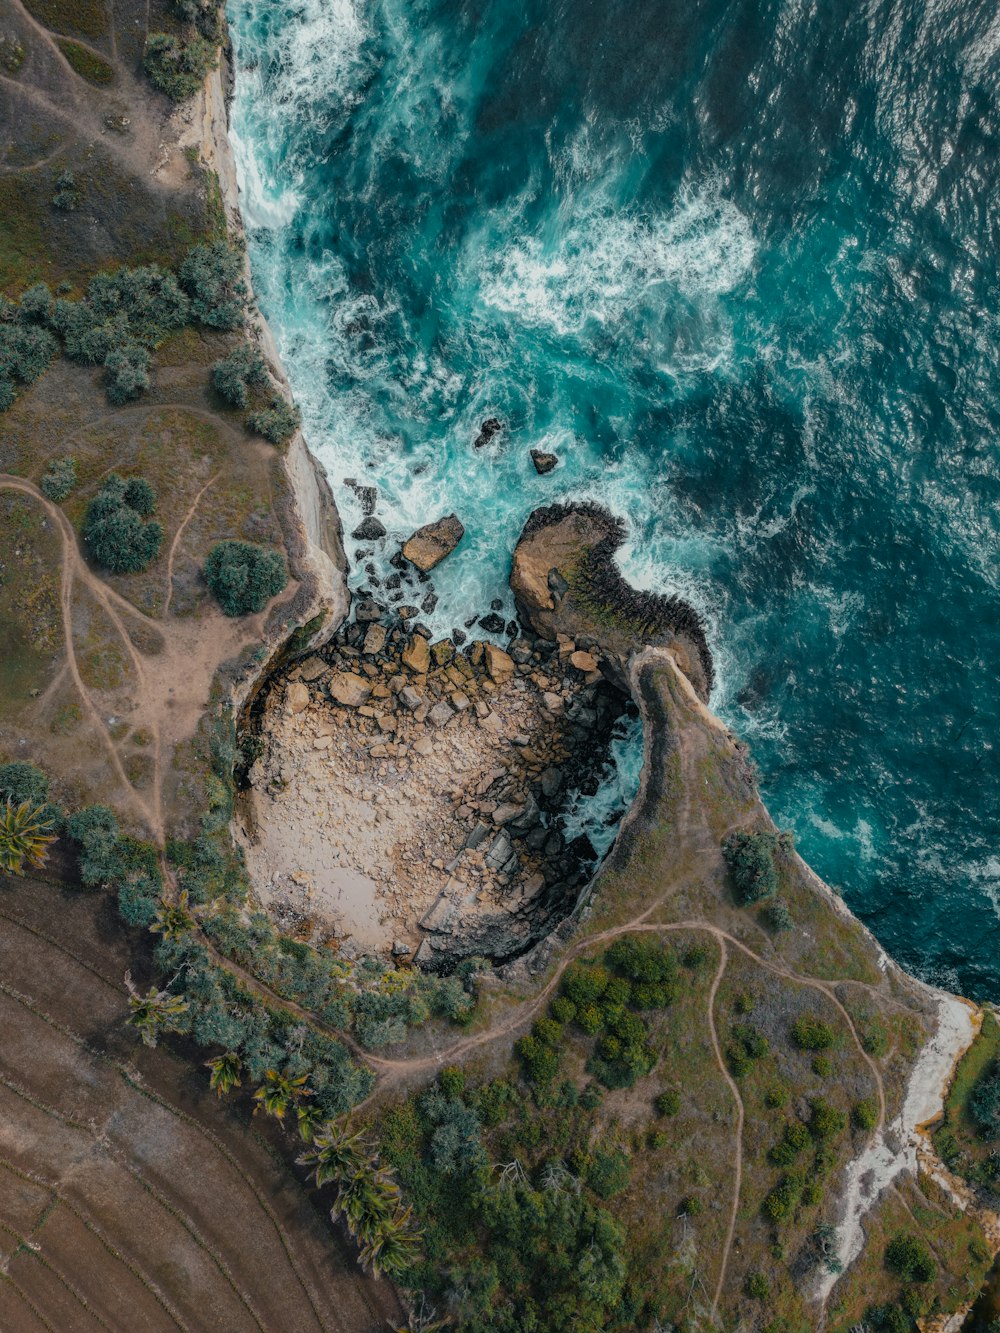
(177, 66)
(26, 349)
(212, 276)
(984, 1104)
(66, 197)
(864, 1114)
(25, 836)
(778, 917)
(909, 1259)
(751, 861)
(87, 17)
(117, 532)
(811, 1034)
(12, 54)
(243, 369)
(746, 1046)
(244, 577)
(277, 423)
(59, 479)
(126, 373)
(87, 63)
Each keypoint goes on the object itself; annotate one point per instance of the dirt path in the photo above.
(738, 1151)
(177, 537)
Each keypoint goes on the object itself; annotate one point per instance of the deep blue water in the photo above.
(736, 262)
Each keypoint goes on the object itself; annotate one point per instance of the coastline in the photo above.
(321, 567)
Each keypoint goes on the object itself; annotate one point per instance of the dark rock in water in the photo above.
(554, 843)
(421, 629)
(496, 604)
(488, 431)
(398, 561)
(369, 530)
(513, 629)
(430, 544)
(393, 582)
(543, 462)
(367, 609)
(408, 612)
(368, 495)
(459, 636)
(429, 603)
(356, 635)
(362, 553)
(469, 623)
(492, 623)
(535, 840)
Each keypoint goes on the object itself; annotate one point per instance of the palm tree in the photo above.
(225, 1073)
(308, 1117)
(173, 920)
(335, 1153)
(366, 1198)
(279, 1091)
(156, 1011)
(25, 835)
(391, 1248)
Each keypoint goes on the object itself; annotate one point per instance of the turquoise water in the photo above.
(735, 262)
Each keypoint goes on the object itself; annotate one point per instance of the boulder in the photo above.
(583, 661)
(296, 697)
(488, 430)
(552, 781)
(417, 655)
(349, 690)
(543, 462)
(369, 530)
(375, 637)
(441, 714)
(367, 610)
(442, 652)
(410, 699)
(430, 544)
(492, 623)
(507, 812)
(312, 668)
(499, 666)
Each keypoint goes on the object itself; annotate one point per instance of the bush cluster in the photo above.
(795, 1138)
(116, 528)
(751, 861)
(59, 479)
(243, 369)
(984, 1104)
(244, 577)
(178, 65)
(212, 276)
(747, 1045)
(909, 1259)
(26, 347)
(276, 423)
(810, 1033)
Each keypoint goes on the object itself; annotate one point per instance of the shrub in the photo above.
(142, 304)
(888, 1318)
(748, 1044)
(562, 1009)
(21, 782)
(113, 528)
(811, 1034)
(540, 1062)
(95, 829)
(244, 577)
(608, 1173)
(795, 1138)
(984, 1104)
(822, 1066)
(750, 857)
(758, 1286)
(244, 368)
(277, 423)
(126, 373)
(776, 1096)
(641, 960)
(584, 984)
(696, 955)
(668, 1103)
(778, 917)
(212, 276)
(204, 14)
(779, 1205)
(59, 480)
(139, 901)
(25, 352)
(35, 305)
(178, 67)
(909, 1258)
(825, 1121)
(65, 197)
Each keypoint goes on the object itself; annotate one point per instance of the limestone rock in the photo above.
(583, 661)
(442, 652)
(417, 655)
(543, 462)
(349, 690)
(430, 544)
(441, 714)
(312, 668)
(499, 666)
(296, 697)
(410, 699)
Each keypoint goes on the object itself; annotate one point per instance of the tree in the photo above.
(750, 857)
(984, 1104)
(126, 373)
(909, 1258)
(173, 920)
(25, 836)
(279, 1091)
(155, 1012)
(243, 576)
(225, 1073)
(59, 479)
(276, 423)
(114, 529)
(335, 1153)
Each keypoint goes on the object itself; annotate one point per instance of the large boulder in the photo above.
(296, 697)
(430, 544)
(349, 690)
(499, 666)
(417, 655)
(369, 530)
(543, 462)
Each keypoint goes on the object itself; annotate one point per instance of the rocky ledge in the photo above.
(411, 796)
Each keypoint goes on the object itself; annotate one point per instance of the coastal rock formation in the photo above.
(430, 544)
(489, 430)
(543, 462)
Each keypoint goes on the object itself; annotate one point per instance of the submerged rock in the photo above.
(488, 431)
(430, 544)
(369, 530)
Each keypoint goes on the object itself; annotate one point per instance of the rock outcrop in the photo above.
(430, 544)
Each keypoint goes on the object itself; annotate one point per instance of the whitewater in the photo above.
(736, 266)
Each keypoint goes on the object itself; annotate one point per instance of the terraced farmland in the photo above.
(130, 1199)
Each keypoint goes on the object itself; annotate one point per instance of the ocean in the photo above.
(736, 264)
